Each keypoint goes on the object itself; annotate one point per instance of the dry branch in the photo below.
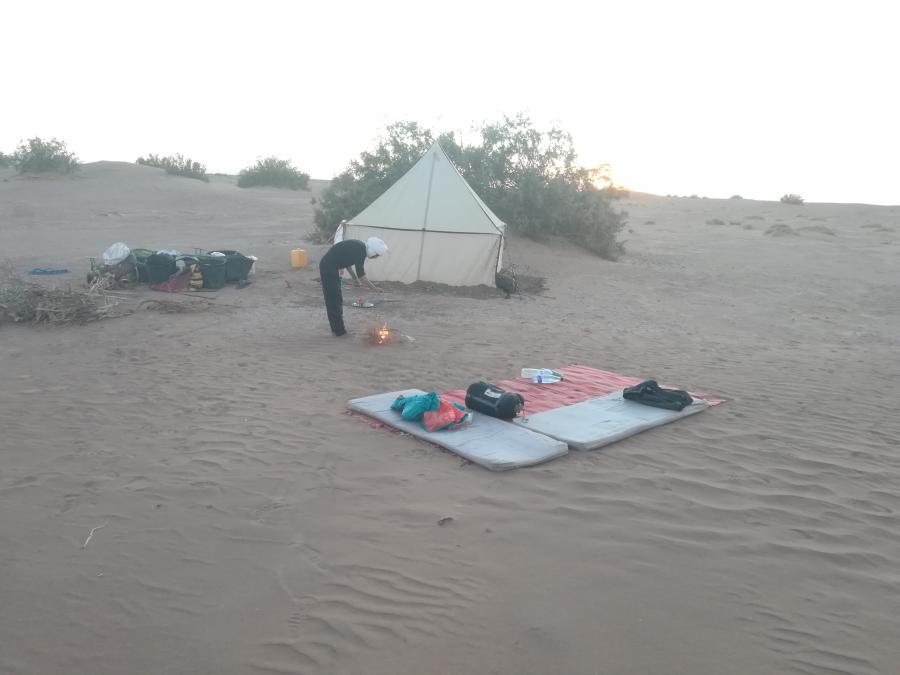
(22, 301)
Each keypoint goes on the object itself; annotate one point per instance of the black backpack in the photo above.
(650, 393)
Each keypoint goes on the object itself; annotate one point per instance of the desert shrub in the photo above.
(39, 156)
(176, 165)
(529, 178)
(791, 199)
(274, 172)
(735, 197)
(781, 230)
(5, 160)
(715, 221)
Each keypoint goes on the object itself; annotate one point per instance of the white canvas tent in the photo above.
(436, 227)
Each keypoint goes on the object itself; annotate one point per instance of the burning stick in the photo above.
(381, 335)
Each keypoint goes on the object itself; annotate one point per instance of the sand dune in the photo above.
(249, 526)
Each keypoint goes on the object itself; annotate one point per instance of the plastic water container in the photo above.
(298, 258)
(542, 375)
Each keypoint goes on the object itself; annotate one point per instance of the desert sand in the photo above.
(248, 525)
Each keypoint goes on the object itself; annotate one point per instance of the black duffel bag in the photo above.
(490, 400)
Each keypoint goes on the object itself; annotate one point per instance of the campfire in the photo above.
(382, 335)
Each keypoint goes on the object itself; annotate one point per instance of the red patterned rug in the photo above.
(580, 383)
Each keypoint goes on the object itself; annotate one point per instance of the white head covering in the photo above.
(375, 246)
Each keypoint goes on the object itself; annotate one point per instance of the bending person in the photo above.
(348, 254)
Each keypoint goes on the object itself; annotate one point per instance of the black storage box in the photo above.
(212, 267)
(237, 265)
(141, 255)
(159, 267)
(490, 400)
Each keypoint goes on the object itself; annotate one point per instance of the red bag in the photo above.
(447, 416)
(174, 284)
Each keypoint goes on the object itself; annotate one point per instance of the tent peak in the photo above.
(431, 195)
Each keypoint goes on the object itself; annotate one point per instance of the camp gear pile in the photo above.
(124, 267)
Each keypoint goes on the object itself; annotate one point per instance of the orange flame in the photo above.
(382, 335)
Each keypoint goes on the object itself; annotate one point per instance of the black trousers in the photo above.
(334, 299)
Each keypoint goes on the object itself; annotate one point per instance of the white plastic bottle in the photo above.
(542, 375)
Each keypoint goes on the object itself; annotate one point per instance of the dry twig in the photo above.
(86, 541)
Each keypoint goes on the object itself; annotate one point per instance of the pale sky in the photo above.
(754, 98)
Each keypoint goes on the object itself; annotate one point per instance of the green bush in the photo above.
(791, 199)
(529, 178)
(176, 165)
(39, 156)
(275, 172)
(5, 160)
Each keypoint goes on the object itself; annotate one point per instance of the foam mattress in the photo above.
(600, 421)
(488, 442)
